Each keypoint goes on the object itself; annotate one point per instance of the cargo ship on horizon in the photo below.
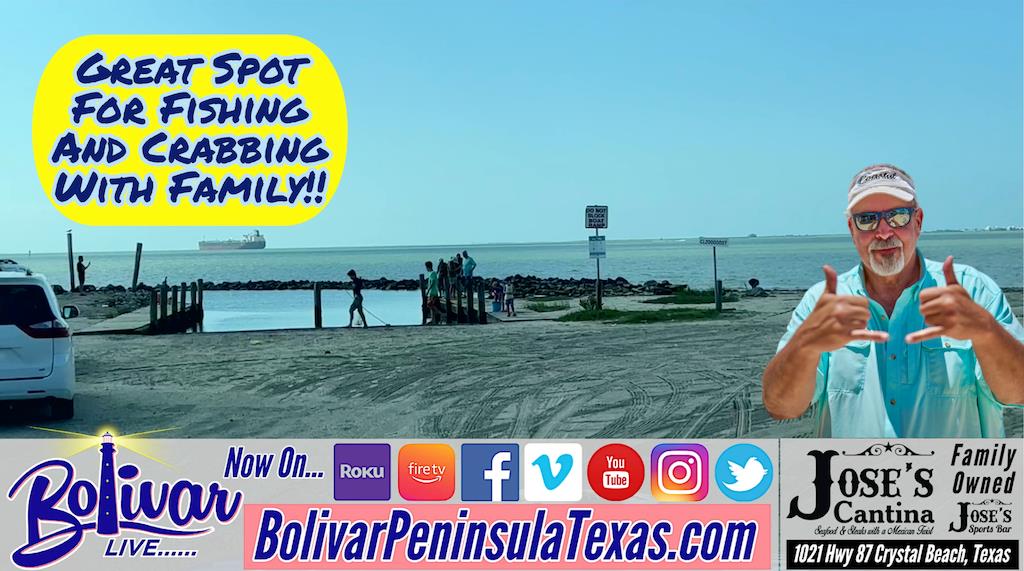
(254, 241)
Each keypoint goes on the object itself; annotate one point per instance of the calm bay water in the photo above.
(251, 310)
(779, 262)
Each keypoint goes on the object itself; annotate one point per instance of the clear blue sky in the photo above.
(498, 122)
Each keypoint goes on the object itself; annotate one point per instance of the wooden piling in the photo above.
(194, 310)
(199, 295)
(448, 305)
(174, 300)
(471, 313)
(152, 311)
(71, 264)
(184, 292)
(458, 305)
(483, 308)
(318, 310)
(718, 295)
(138, 261)
(163, 301)
(423, 299)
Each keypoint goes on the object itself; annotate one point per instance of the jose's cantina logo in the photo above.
(875, 483)
(68, 508)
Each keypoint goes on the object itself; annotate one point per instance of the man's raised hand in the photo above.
(949, 311)
(838, 319)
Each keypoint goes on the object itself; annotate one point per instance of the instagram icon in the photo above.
(679, 472)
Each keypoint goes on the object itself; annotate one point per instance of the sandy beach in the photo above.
(531, 379)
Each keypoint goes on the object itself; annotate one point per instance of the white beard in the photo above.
(889, 265)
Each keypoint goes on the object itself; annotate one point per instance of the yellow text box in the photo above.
(189, 130)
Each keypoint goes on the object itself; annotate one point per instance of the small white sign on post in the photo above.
(715, 244)
(719, 242)
(597, 216)
(597, 249)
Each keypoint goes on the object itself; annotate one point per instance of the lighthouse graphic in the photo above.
(106, 521)
(58, 513)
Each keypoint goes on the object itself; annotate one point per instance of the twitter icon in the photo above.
(743, 472)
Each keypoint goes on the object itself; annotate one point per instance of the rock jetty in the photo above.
(532, 286)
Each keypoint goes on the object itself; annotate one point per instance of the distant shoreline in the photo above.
(525, 286)
(692, 240)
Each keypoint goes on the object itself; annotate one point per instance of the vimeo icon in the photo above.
(554, 472)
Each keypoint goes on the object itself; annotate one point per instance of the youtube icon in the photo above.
(616, 472)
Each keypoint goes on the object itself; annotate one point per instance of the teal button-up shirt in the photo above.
(932, 389)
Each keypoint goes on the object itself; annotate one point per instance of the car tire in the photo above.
(62, 409)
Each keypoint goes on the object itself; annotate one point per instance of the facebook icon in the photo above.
(490, 472)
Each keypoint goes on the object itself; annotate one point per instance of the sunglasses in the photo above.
(895, 218)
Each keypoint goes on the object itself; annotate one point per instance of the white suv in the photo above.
(37, 359)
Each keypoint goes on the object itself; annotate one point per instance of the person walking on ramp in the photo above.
(357, 299)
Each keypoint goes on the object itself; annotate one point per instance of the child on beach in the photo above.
(497, 292)
(510, 299)
(755, 289)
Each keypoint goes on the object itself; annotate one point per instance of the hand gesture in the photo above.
(950, 311)
(838, 319)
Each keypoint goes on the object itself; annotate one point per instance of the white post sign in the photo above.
(715, 243)
(597, 249)
(597, 216)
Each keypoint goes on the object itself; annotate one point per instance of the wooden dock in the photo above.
(451, 310)
(169, 311)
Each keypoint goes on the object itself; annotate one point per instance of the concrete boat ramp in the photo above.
(134, 322)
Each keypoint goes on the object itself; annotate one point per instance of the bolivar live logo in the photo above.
(141, 507)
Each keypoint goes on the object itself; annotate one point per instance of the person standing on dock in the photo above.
(433, 295)
(82, 266)
(468, 265)
(442, 276)
(456, 273)
(357, 299)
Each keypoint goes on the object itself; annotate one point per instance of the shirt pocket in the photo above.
(848, 367)
(949, 367)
